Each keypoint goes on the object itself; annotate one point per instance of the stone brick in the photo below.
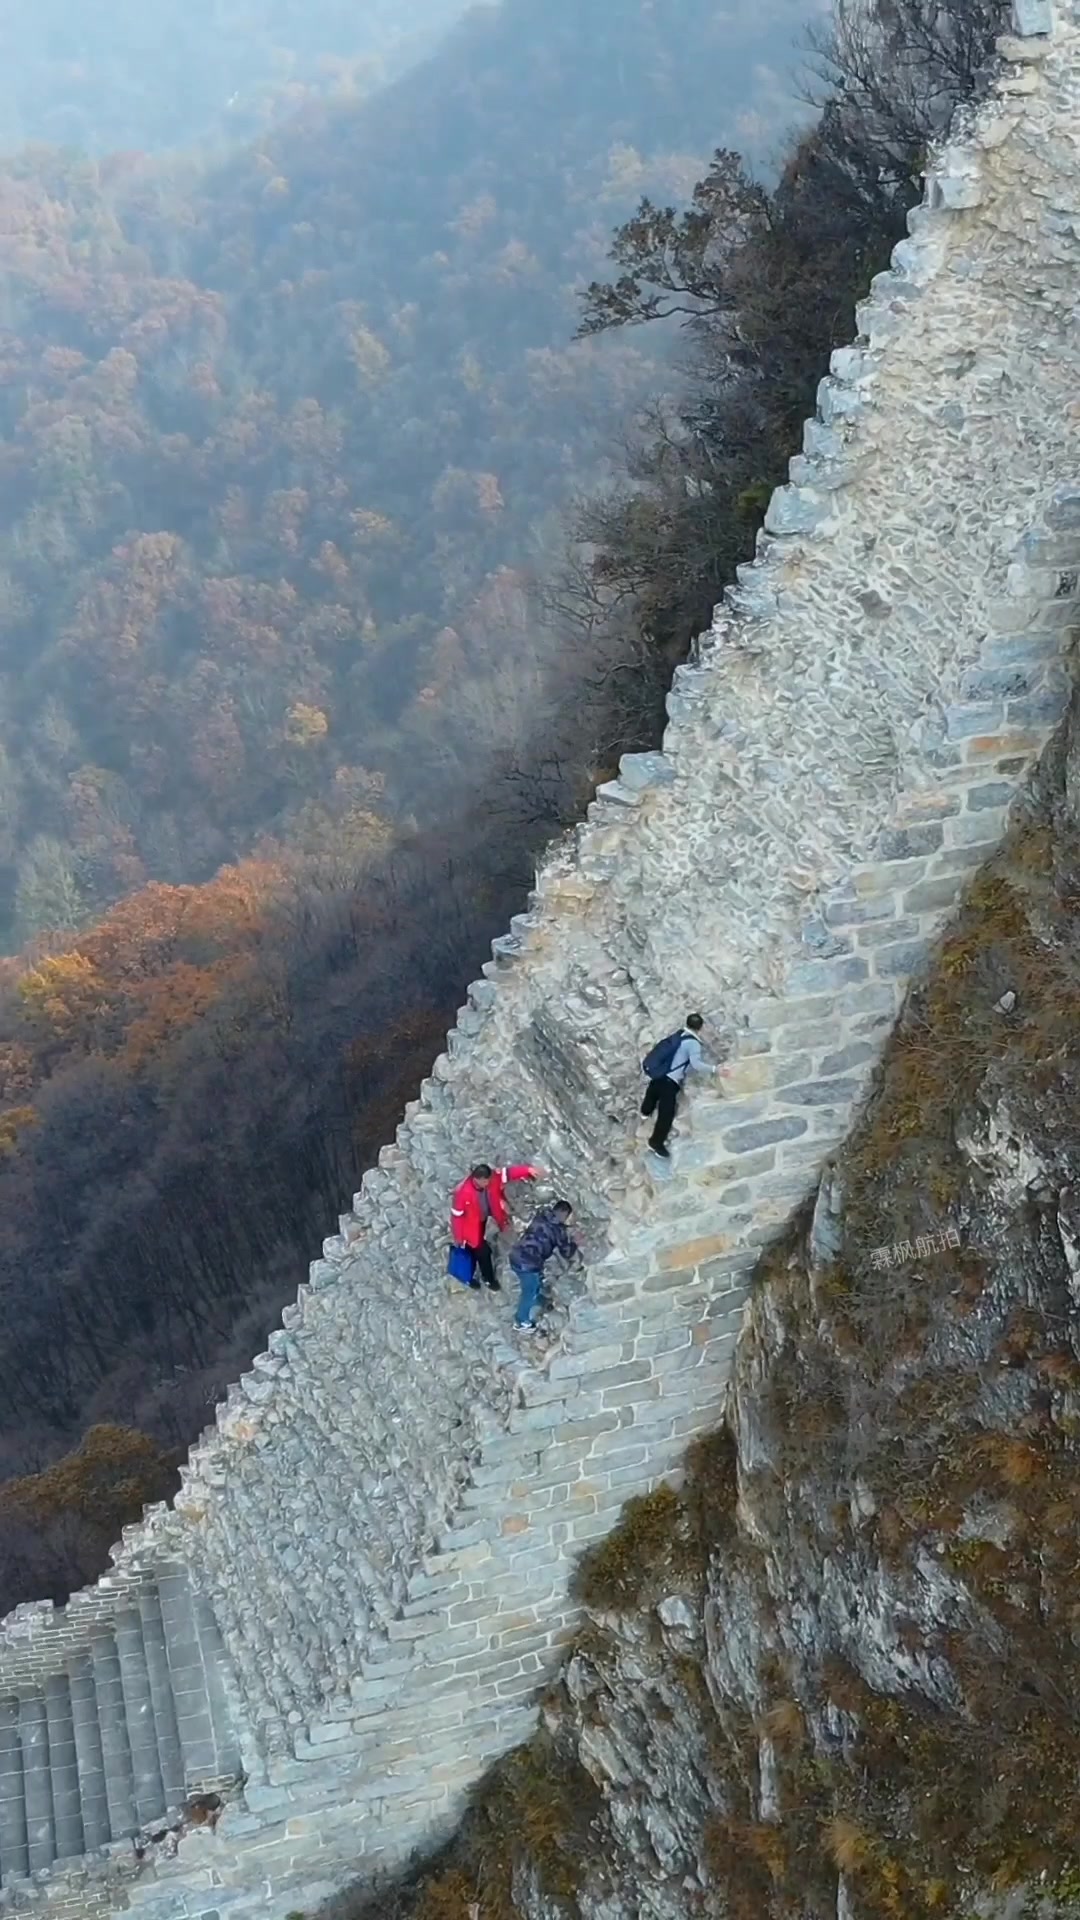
(822, 1033)
(623, 1446)
(799, 1066)
(894, 930)
(819, 1093)
(614, 1272)
(588, 1430)
(748, 1076)
(461, 1560)
(975, 830)
(749, 1041)
(993, 746)
(721, 1171)
(591, 1526)
(1024, 649)
(976, 718)
(792, 1186)
(861, 913)
(723, 1277)
(686, 1358)
(857, 1054)
(902, 959)
(875, 881)
(905, 843)
(792, 1012)
(537, 1391)
(527, 1683)
(688, 1255)
(630, 1477)
(933, 896)
(631, 1396)
(962, 860)
(464, 1636)
(663, 1343)
(827, 976)
(727, 1113)
(995, 793)
(620, 1376)
(570, 1366)
(465, 1612)
(563, 1472)
(763, 1133)
(917, 809)
(1039, 709)
(537, 1419)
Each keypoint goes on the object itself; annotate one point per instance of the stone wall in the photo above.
(385, 1518)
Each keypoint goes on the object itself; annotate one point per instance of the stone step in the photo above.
(114, 1739)
(63, 1765)
(214, 1656)
(115, 1745)
(148, 1787)
(89, 1758)
(170, 1757)
(200, 1723)
(37, 1782)
(14, 1845)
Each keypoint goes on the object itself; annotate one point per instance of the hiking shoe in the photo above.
(473, 1286)
(530, 1327)
(662, 1153)
(494, 1286)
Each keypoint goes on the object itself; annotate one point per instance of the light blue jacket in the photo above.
(689, 1058)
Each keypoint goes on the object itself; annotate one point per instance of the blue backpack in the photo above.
(656, 1063)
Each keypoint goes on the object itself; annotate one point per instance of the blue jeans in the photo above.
(531, 1282)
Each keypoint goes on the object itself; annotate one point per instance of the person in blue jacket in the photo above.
(665, 1086)
(545, 1234)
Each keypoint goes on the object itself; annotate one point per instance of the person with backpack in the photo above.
(667, 1066)
(545, 1234)
(481, 1197)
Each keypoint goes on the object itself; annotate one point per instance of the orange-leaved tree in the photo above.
(63, 999)
(106, 1479)
(13, 1122)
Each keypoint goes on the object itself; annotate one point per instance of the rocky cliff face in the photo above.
(837, 1677)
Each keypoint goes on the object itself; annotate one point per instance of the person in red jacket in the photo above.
(482, 1197)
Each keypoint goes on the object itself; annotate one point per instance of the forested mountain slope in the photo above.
(279, 442)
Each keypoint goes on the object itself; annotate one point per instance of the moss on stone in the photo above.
(534, 1809)
(652, 1545)
(711, 1488)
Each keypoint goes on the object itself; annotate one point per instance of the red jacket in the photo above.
(466, 1214)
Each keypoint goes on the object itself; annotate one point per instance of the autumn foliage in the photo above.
(271, 427)
(189, 1092)
(73, 1511)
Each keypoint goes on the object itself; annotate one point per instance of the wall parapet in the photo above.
(385, 1517)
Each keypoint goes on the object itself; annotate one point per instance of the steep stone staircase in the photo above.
(107, 1723)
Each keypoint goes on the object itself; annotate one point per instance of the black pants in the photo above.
(484, 1263)
(661, 1098)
